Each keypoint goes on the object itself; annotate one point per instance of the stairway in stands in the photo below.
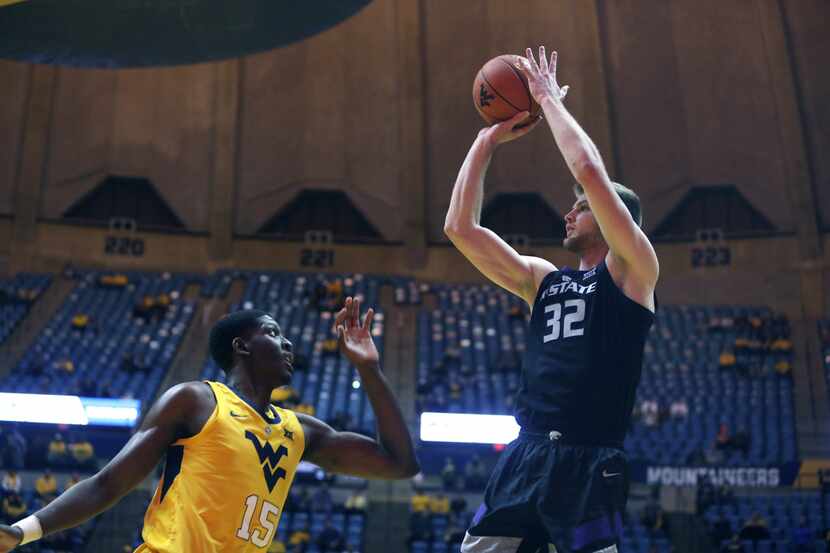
(29, 329)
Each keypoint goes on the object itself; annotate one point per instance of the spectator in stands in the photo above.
(783, 367)
(321, 501)
(13, 508)
(276, 547)
(317, 298)
(419, 502)
(741, 441)
(723, 440)
(82, 452)
(306, 409)
(475, 474)
(721, 530)
(80, 321)
(449, 474)
(727, 360)
(802, 537)
(653, 517)
(15, 450)
(66, 366)
(73, 479)
(46, 486)
(161, 305)
(11, 483)
(144, 309)
(439, 504)
(356, 503)
(458, 506)
(330, 539)
(420, 526)
(285, 395)
(299, 540)
(454, 534)
(679, 409)
(755, 529)
(57, 455)
(733, 546)
(649, 412)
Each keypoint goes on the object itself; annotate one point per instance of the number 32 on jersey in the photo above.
(567, 326)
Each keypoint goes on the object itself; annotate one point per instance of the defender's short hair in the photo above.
(628, 197)
(233, 325)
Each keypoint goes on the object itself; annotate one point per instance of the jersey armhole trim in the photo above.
(208, 423)
(642, 308)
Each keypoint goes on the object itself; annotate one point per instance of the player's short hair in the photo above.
(628, 197)
(232, 325)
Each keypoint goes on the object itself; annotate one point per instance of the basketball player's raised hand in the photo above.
(541, 76)
(354, 336)
(9, 538)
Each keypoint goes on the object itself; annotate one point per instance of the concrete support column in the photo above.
(412, 98)
(33, 160)
(224, 174)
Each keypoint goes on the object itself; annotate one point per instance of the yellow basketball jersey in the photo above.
(223, 489)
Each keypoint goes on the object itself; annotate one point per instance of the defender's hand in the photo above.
(354, 337)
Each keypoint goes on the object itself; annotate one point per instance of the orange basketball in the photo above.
(500, 90)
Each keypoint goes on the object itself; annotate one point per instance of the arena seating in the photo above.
(88, 357)
(824, 333)
(469, 352)
(782, 514)
(69, 540)
(322, 379)
(17, 294)
(682, 363)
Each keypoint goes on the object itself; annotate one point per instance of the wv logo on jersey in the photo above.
(269, 459)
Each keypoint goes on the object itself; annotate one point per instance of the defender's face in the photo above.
(581, 228)
(269, 348)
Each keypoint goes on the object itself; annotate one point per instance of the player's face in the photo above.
(581, 229)
(272, 350)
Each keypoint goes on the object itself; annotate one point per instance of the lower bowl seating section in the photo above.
(824, 333)
(706, 370)
(20, 503)
(793, 522)
(114, 336)
(637, 538)
(17, 294)
(708, 367)
(324, 383)
(470, 349)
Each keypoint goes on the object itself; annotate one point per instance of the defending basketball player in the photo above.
(564, 481)
(230, 454)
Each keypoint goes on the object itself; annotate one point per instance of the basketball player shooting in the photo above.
(564, 480)
(231, 455)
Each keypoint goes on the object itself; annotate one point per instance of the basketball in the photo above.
(500, 90)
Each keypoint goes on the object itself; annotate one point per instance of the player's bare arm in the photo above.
(179, 413)
(631, 258)
(392, 455)
(495, 258)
